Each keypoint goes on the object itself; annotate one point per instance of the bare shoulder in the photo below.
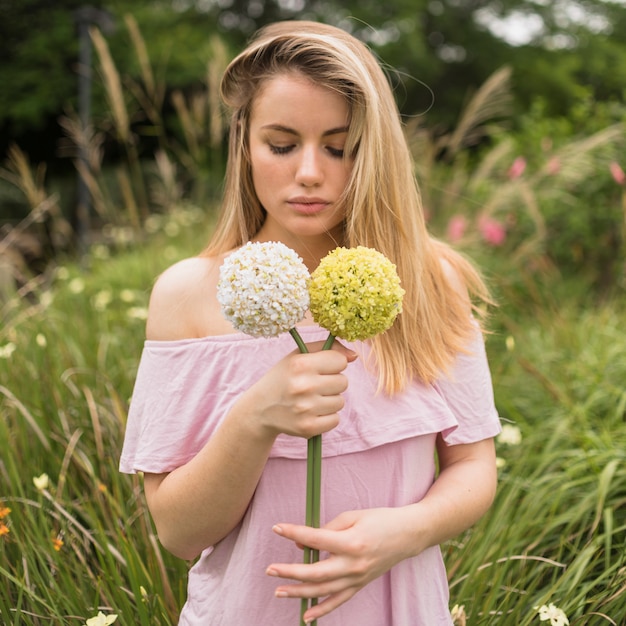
(454, 278)
(181, 299)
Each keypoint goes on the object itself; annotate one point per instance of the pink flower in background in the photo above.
(618, 173)
(456, 228)
(517, 168)
(492, 231)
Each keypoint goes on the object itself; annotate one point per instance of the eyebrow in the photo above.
(291, 131)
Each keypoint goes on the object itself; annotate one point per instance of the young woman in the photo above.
(219, 420)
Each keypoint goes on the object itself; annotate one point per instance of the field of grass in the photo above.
(81, 541)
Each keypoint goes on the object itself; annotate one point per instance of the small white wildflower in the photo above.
(263, 289)
(41, 482)
(128, 296)
(138, 313)
(76, 285)
(500, 462)
(510, 343)
(102, 300)
(101, 252)
(459, 618)
(41, 340)
(62, 273)
(153, 223)
(551, 612)
(7, 350)
(172, 228)
(46, 299)
(510, 435)
(101, 619)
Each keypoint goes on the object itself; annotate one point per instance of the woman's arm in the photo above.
(200, 502)
(365, 544)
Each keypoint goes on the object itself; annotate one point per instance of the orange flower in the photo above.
(4, 511)
(57, 543)
(4, 529)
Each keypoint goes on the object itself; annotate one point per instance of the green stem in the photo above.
(313, 483)
(298, 339)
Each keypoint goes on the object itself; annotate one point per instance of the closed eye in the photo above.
(336, 152)
(280, 149)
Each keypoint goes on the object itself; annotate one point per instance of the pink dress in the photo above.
(380, 455)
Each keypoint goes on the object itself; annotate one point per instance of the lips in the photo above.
(307, 205)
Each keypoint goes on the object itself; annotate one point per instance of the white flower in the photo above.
(128, 296)
(550, 612)
(510, 435)
(459, 618)
(7, 350)
(263, 289)
(137, 313)
(77, 285)
(62, 273)
(41, 340)
(102, 299)
(41, 482)
(101, 619)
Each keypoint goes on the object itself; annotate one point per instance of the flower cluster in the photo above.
(263, 289)
(552, 613)
(355, 293)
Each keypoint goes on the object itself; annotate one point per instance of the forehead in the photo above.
(293, 96)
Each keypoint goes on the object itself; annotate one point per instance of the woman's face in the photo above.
(297, 135)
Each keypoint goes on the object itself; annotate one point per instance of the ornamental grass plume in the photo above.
(263, 289)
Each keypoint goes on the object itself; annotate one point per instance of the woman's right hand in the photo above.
(301, 395)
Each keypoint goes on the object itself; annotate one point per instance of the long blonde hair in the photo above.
(382, 203)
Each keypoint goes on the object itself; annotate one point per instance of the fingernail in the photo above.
(277, 529)
(271, 572)
(280, 594)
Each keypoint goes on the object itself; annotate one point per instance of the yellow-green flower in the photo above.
(355, 293)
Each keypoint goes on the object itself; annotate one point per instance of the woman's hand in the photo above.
(301, 395)
(362, 545)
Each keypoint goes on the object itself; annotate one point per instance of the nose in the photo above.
(309, 168)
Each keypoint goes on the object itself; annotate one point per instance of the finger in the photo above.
(317, 538)
(316, 346)
(328, 605)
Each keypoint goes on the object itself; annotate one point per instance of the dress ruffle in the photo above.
(184, 389)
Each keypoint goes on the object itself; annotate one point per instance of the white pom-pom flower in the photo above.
(263, 289)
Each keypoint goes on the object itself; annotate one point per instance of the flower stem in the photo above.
(313, 483)
(298, 339)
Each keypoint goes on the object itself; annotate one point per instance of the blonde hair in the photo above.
(382, 203)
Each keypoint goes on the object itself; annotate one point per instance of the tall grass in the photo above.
(69, 354)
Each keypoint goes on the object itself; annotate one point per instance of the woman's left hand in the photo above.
(362, 545)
